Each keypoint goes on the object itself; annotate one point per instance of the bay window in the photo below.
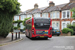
(23, 17)
(37, 15)
(45, 15)
(66, 14)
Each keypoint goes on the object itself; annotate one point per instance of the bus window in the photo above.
(42, 23)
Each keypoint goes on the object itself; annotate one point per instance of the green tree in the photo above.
(8, 8)
(18, 21)
(73, 10)
(24, 23)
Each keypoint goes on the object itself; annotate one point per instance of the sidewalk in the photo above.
(7, 39)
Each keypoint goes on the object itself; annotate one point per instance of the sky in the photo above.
(29, 4)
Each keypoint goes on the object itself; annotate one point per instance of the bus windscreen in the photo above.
(42, 23)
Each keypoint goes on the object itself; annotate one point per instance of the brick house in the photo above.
(60, 14)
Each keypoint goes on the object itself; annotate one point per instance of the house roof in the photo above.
(69, 6)
(54, 8)
(39, 10)
(66, 6)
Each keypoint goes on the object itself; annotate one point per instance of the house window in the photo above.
(22, 17)
(16, 18)
(50, 15)
(53, 24)
(64, 14)
(57, 13)
(64, 24)
(68, 14)
(57, 25)
(29, 16)
(21, 26)
(54, 15)
(45, 15)
(15, 25)
(36, 15)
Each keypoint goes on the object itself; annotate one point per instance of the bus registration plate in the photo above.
(42, 36)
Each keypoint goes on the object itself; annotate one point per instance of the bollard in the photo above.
(19, 35)
(16, 36)
(12, 36)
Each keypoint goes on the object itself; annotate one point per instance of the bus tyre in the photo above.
(29, 35)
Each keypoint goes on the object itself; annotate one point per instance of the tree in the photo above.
(73, 10)
(24, 23)
(8, 8)
(18, 21)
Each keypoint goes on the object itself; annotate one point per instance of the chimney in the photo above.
(35, 6)
(72, 1)
(51, 3)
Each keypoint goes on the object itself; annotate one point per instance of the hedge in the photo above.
(18, 21)
(15, 28)
(67, 30)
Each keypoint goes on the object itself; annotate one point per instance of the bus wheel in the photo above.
(30, 36)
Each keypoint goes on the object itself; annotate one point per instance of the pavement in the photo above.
(54, 43)
(8, 39)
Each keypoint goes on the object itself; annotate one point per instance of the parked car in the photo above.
(22, 31)
(56, 31)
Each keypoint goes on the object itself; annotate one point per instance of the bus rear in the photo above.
(41, 28)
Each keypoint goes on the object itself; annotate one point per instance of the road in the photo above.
(54, 43)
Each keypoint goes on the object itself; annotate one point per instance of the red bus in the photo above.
(39, 28)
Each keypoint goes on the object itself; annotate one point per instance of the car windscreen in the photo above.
(42, 23)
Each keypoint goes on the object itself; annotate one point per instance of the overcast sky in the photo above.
(29, 4)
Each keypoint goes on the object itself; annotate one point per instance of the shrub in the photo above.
(67, 30)
(71, 26)
(26, 25)
(15, 28)
(8, 8)
(18, 21)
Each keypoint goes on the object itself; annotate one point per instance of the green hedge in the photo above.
(67, 30)
(27, 26)
(71, 26)
(18, 21)
(15, 28)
